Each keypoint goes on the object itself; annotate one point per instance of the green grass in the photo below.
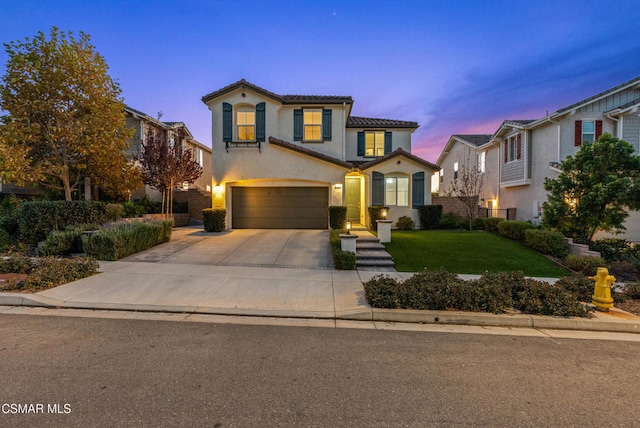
(466, 252)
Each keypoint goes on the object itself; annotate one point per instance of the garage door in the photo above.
(279, 207)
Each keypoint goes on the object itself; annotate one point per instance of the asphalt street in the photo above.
(117, 372)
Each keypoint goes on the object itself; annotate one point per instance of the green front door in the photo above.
(352, 198)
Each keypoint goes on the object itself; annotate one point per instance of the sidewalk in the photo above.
(271, 292)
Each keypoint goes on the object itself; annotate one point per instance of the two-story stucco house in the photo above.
(531, 150)
(279, 161)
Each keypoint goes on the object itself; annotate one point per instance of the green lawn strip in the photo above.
(466, 252)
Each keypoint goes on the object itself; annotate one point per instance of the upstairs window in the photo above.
(397, 191)
(512, 148)
(246, 125)
(374, 143)
(312, 125)
(587, 131)
(481, 162)
(455, 171)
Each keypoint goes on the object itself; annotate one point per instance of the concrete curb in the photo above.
(356, 314)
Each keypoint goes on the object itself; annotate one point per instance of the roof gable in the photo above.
(397, 153)
(472, 140)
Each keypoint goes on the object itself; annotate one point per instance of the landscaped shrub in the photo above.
(405, 223)
(514, 229)
(48, 272)
(337, 217)
(15, 263)
(342, 260)
(632, 290)
(214, 219)
(478, 223)
(587, 266)
(61, 242)
(624, 271)
(491, 224)
(452, 221)
(122, 239)
(375, 214)
(429, 216)
(114, 211)
(581, 287)
(381, 291)
(6, 241)
(541, 298)
(610, 248)
(547, 242)
(38, 218)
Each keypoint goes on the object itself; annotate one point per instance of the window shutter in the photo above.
(388, 142)
(578, 135)
(260, 122)
(506, 151)
(518, 146)
(361, 145)
(297, 125)
(227, 122)
(417, 189)
(598, 129)
(326, 124)
(377, 188)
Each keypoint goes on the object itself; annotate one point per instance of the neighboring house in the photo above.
(531, 150)
(281, 160)
(142, 124)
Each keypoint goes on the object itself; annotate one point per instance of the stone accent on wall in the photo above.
(581, 249)
(450, 204)
(197, 200)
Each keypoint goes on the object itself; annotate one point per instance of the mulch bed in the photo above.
(631, 306)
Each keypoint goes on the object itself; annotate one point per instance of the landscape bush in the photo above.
(514, 229)
(624, 271)
(452, 221)
(580, 287)
(632, 290)
(491, 224)
(547, 242)
(585, 265)
(429, 216)
(214, 219)
(38, 218)
(478, 223)
(405, 223)
(337, 217)
(610, 248)
(342, 260)
(121, 239)
(375, 214)
(65, 242)
(493, 292)
(114, 212)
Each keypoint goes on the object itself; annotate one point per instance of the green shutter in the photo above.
(388, 143)
(227, 122)
(260, 122)
(377, 188)
(417, 189)
(297, 125)
(361, 143)
(326, 124)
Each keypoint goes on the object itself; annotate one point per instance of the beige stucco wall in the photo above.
(458, 152)
(401, 139)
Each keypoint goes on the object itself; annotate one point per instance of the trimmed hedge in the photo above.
(342, 260)
(587, 266)
(452, 221)
(214, 219)
(491, 224)
(122, 239)
(405, 223)
(514, 229)
(493, 292)
(429, 216)
(38, 218)
(547, 242)
(375, 214)
(337, 217)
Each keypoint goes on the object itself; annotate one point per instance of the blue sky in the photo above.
(453, 66)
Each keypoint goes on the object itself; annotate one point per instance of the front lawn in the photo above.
(466, 252)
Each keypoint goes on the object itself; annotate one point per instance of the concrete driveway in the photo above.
(243, 247)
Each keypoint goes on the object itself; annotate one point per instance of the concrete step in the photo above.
(377, 268)
(370, 245)
(377, 255)
(367, 238)
(373, 263)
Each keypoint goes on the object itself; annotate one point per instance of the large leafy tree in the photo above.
(594, 190)
(167, 163)
(65, 120)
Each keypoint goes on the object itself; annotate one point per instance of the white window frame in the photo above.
(513, 147)
(592, 133)
(482, 161)
(244, 112)
(311, 124)
(392, 194)
(377, 149)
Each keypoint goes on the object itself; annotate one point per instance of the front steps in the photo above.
(371, 255)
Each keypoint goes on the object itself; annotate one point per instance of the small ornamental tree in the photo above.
(468, 187)
(65, 120)
(594, 189)
(167, 163)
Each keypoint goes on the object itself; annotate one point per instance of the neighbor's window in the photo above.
(588, 131)
(374, 143)
(481, 161)
(246, 122)
(455, 171)
(312, 125)
(397, 191)
(512, 148)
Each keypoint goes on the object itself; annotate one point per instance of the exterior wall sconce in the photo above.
(337, 186)
(217, 189)
(348, 226)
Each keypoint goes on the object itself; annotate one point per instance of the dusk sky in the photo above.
(455, 67)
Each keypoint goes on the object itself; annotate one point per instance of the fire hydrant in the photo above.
(602, 293)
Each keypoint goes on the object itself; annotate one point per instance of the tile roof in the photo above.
(635, 80)
(308, 152)
(518, 122)
(371, 122)
(474, 139)
(400, 152)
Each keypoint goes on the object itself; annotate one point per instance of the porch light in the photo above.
(348, 226)
(337, 186)
(217, 188)
(384, 214)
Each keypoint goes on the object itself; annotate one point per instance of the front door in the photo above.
(352, 198)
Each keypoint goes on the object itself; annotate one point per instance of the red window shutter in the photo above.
(506, 151)
(518, 146)
(598, 128)
(578, 137)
